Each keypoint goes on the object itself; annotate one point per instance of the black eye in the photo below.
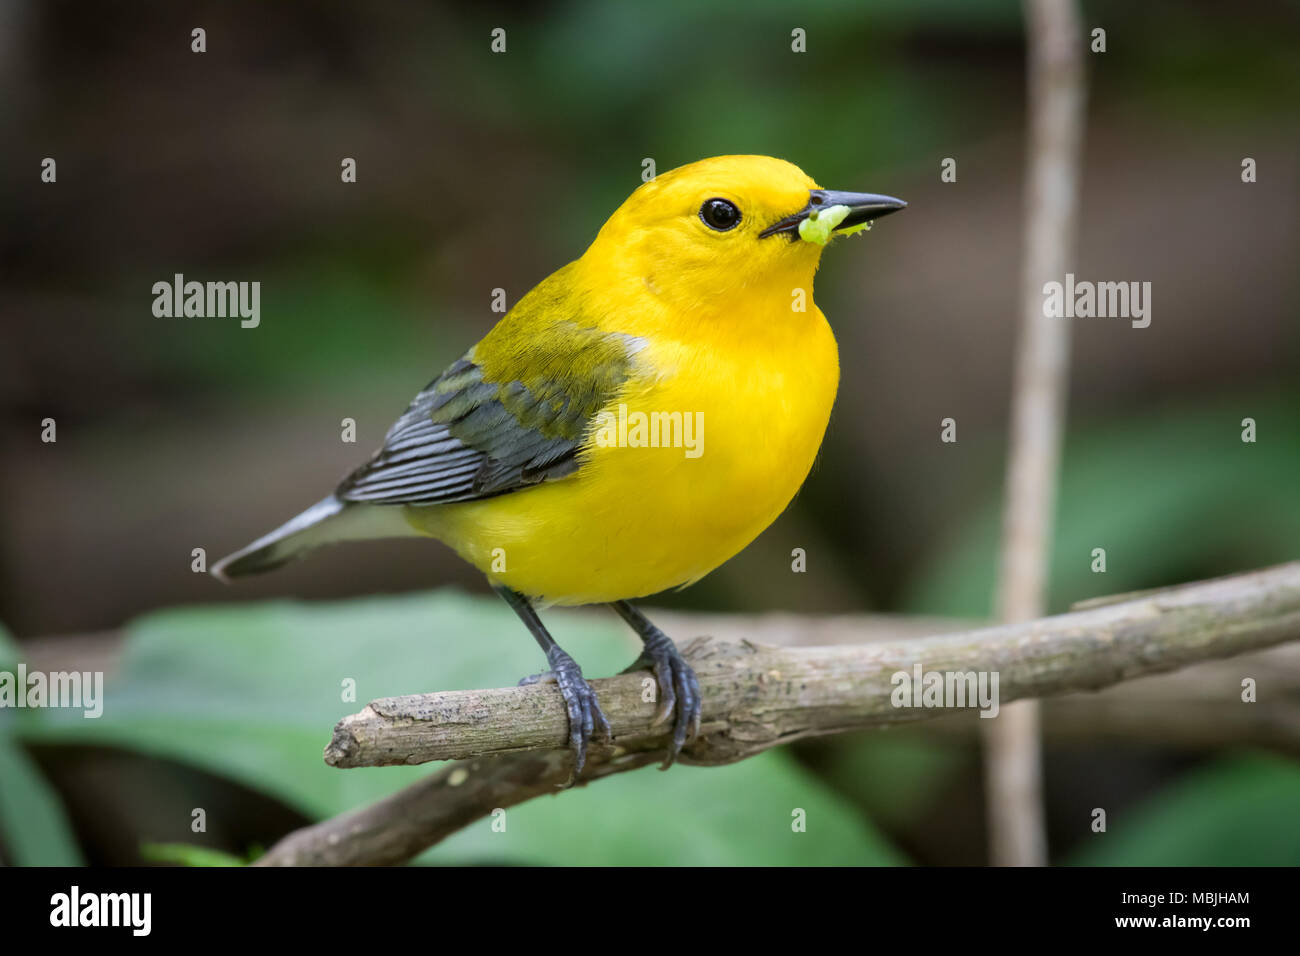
(719, 214)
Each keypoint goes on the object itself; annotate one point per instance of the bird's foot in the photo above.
(679, 690)
(585, 715)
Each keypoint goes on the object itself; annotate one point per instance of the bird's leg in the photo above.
(579, 699)
(679, 691)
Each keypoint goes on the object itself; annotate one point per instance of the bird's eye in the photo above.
(719, 214)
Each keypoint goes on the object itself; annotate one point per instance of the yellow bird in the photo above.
(633, 422)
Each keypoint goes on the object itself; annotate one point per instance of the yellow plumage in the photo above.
(723, 339)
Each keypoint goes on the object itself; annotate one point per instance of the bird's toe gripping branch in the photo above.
(679, 688)
(585, 715)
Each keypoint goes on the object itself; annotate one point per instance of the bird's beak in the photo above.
(863, 207)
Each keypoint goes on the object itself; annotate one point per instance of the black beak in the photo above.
(863, 207)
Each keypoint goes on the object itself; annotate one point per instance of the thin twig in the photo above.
(1017, 831)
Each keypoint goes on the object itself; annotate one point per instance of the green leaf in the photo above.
(187, 854)
(738, 815)
(252, 693)
(898, 775)
(33, 826)
(1238, 811)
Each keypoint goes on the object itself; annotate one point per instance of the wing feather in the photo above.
(485, 428)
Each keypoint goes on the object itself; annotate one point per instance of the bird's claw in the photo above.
(585, 715)
(679, 690)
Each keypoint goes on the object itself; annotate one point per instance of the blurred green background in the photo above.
(479, 170)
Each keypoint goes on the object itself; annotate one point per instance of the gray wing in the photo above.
(466, 436)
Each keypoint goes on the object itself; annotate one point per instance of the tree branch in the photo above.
(756, 697)
(1193, 709)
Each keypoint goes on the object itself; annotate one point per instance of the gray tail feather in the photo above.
(282, 545)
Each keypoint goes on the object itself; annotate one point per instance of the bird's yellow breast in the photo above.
(707, 444)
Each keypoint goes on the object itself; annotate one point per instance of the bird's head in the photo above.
(706, 231)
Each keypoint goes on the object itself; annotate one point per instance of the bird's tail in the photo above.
(326, 521)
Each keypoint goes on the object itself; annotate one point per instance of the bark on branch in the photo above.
(510, 741)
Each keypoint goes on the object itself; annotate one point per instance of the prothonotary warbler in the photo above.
(633, 422)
